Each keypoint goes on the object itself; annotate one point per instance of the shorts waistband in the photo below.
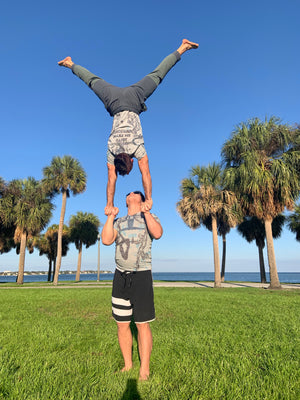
(127, 277)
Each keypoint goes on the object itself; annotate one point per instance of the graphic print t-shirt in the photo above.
(126, 136)
(133, 243)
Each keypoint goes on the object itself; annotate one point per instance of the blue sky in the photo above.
(247, 65)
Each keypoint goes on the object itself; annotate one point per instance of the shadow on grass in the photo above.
(203, 285)
(131, 392)
(238, 284)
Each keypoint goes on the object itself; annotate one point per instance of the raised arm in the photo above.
(155, 229)
(109, 234)
(110, 189)
(147, 182)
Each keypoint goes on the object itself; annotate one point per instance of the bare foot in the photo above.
(143, 377)
(66, 62)
(126, 369)
(144, 374)
(187, 45)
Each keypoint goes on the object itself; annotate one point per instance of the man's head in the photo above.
(123, 163)
(135, 197)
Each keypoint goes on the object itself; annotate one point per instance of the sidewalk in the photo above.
(177, 284)
(224, 285)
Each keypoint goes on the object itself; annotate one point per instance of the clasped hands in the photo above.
(145, 207)
(111, 210)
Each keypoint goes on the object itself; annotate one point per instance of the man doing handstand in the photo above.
(124, 105)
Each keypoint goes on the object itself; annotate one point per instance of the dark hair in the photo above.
(137, 192)
(123, 164)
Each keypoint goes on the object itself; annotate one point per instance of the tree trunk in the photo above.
(223, 258)
(77, 279)
(274, 280)
(216, 252)
(98, 262)
(59, 238)
(20, 278)
(262, 269)
(54, 269)
(49, 270)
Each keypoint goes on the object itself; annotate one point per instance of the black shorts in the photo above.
(132, 296)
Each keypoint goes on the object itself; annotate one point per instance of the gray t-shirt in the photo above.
(133, 243)
(126, 136)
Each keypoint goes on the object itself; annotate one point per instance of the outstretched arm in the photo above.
(110, 189)
(147, 182)
(109, 234)
(155, 229)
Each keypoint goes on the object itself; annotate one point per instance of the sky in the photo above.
(247, 65)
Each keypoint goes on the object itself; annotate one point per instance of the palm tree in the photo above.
(47, 244)
(294, 222)
(6, 232)
(297, 147)
(6, 238)
(64, 175)
(30, 241)
(83, 230)
(2, 186)
(253, 228)
(224, 228)
(43, 246)
(261, 167)
(203, 197)
(25, 205)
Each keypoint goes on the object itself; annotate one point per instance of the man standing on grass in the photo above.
(132, 292)
(124, 105)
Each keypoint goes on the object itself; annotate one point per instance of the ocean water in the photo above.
(284, 277)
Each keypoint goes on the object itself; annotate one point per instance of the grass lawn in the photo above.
(208, 344)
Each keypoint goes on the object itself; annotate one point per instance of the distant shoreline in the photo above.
(91, 275)
(30, 273)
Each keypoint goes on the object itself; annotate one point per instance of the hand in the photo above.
(115, 211)
(111, 210)
(147, 205)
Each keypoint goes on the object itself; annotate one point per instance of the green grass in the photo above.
(208, 344)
